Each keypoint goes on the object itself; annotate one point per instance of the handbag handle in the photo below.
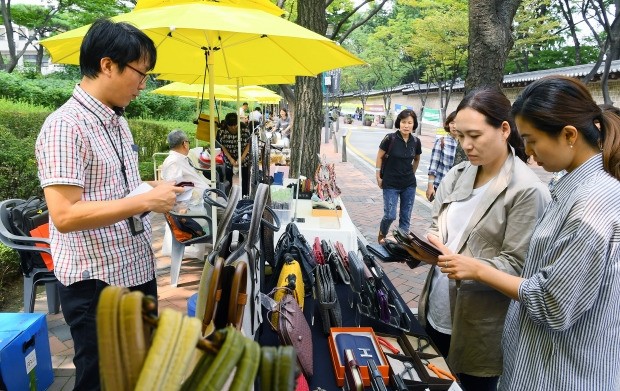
(212, 201)
(275, 226)
(225, 223)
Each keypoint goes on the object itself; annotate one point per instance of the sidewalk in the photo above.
(364, 203)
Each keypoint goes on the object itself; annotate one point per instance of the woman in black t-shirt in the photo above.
(399, 153)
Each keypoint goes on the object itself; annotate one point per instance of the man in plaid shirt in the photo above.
(88, 165)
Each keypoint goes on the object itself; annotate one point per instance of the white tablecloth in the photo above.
(339, 229)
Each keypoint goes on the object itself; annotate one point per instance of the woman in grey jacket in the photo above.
(486, 209)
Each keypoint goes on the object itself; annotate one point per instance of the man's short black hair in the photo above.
(121, 42)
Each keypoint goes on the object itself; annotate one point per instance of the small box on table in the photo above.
(25, 359)
(364, 344)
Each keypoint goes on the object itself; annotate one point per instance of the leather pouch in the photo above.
(318, 251)
(328, 304)
(293, 329)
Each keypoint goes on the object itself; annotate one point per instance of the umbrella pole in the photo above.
(239, 160)
(210, 64)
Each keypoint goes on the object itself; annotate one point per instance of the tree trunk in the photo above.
(308, 100)
(490, 41)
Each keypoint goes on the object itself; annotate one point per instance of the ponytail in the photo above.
(610, 140)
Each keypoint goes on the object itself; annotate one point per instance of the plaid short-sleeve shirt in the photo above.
(82, 144)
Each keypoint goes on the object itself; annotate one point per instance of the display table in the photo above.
(324, 375)
(339, 229)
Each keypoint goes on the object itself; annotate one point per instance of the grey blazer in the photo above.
(498, 234)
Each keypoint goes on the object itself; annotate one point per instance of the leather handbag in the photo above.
(327, 298)
(289, 280)
(293, 330)
(226, 290)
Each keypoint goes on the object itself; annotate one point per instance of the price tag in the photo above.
(31, 360)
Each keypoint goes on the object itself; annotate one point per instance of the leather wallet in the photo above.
(337, 265)
(293, 329)
(380, 252)
(352, 373)
(361, 345)
(369, 260)
(328, 304)
(356, 269)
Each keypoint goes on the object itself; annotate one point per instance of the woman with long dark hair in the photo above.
(485, 209)
(561, 330)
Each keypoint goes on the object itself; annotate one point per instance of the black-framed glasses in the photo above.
(144, 75)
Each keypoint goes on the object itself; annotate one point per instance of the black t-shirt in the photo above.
(398, 172)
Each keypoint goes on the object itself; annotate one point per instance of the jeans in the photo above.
(79, 307)
(390, 203)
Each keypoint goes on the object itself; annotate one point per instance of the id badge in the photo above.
(136, 225)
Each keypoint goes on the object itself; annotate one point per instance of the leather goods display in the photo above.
(327, 298)
(294, 243)
(375, 299)
(293, 330)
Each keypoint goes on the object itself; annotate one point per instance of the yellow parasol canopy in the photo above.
(240, 42)
(242, 81)
(228, 93)
(263, 5)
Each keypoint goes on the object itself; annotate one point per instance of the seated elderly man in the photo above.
(177, 166)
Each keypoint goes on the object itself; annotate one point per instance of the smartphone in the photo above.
(185, 184)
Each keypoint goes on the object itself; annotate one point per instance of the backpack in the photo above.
(25, 217)
(294, 243)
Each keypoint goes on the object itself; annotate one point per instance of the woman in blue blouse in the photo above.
(562, 330)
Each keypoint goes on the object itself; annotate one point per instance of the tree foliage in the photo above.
(38, 22)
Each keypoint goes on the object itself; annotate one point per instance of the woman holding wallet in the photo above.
(485, 208)
(561, 330)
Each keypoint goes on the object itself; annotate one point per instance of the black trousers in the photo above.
(245, 179)
(468, 382)
(79, 307)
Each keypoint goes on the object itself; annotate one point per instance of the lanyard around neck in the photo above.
(121, 155)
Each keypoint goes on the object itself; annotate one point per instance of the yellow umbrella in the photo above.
(242, 81)
(264, 5)
(239, 42)
(228, 93)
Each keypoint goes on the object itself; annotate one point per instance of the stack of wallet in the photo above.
(418, 244)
